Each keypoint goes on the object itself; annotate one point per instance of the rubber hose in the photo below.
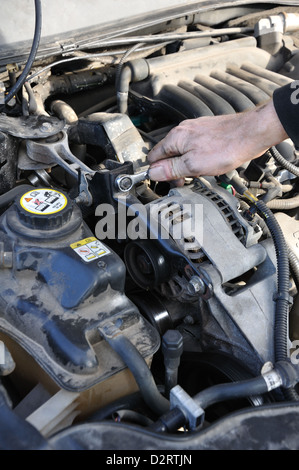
(284, 204)
(141, 372)
(282, 301)
(122, 61)
(294, 263)
(229, 391)
(9, 196)
(283, 162)
(35, 43)
(132, 401)
(64, 111)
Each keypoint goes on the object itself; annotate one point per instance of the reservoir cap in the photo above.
(44, 208)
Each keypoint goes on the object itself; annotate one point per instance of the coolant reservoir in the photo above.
(61, 286)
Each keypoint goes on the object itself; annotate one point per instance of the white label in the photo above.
(272, 380)
(43, 201)
(90, 249)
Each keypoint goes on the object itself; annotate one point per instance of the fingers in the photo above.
(170, 146)
(169, 169)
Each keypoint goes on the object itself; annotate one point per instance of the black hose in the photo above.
(283, 280)
(229, 391)
(10, 196)
(35, 43)
(132, 417)
(282, 299)
(139, 368)
(283, 162)
(132, 401)
(294, 263)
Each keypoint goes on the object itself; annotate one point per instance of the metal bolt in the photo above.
(196, 286)
(102, 264)
(125, 184)
(46, 127)
(172, 343)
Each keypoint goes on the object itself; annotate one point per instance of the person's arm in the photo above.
(286, 104)
(215, 145)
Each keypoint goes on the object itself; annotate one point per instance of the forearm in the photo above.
(286, 104)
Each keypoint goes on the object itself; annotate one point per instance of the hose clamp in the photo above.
(283, 296)
(194, 413)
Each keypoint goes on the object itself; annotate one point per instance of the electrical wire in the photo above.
(88, 57)
(150, 39)
(35, 43)
(123, 59)
(164, 37)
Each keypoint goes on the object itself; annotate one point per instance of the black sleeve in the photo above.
(286, 103)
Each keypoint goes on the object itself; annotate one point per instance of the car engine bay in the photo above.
(136, 314)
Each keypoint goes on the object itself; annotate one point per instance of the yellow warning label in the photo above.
(90, 249)
(43, 201)
(83, 242)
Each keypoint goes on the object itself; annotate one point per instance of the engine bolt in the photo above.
(102, 264)
(46, 127)
(196, 286)
(125, 184)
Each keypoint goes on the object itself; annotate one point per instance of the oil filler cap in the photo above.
(44, 208)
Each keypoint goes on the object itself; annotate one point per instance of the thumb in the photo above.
(169, 169)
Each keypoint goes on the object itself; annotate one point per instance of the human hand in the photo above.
(215, 145)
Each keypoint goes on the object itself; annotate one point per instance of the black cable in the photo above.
(294, 264)
(282, 298)
(8, 197)
(35, 43)
(283, 162)
(283, 280)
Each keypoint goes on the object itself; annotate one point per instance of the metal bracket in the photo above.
(59, 153)
(56, 152)
(84, 196)
(31, 127)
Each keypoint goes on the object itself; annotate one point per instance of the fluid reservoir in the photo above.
(60, 288)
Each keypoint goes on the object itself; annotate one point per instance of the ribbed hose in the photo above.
(283, 162)
(35, 43)
(294, 263)
(283, 280)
